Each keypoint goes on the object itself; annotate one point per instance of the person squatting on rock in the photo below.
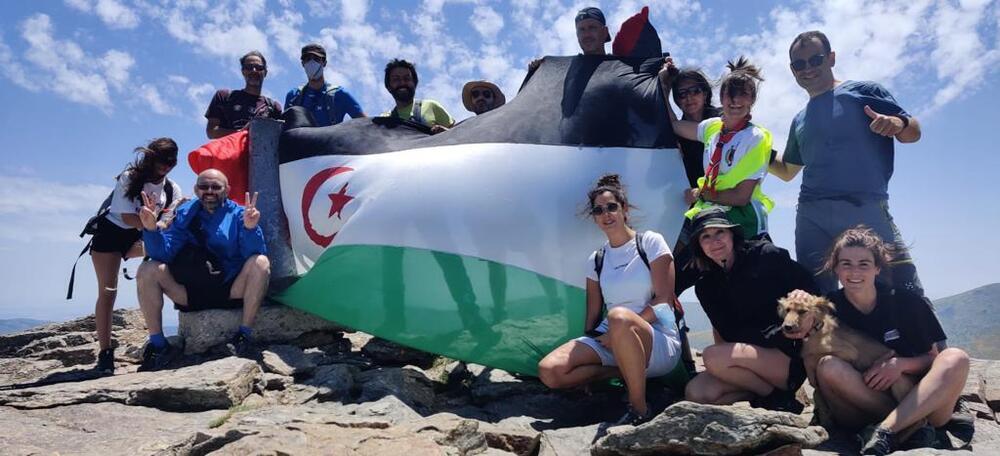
(213, 255)
(844, 138)
(327, 103)
(119, 235)
(401, 82)
(738, 282)
(736, 154)
(232, 110)
(631, 341)
(901, 320)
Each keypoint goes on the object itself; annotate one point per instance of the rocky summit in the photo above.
(317, 389)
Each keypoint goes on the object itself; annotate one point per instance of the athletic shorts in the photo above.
(203, 297)
(664, 359)
(111, 238)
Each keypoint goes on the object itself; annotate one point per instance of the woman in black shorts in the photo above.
(119, 233)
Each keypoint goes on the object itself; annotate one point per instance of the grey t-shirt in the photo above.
(843, 158)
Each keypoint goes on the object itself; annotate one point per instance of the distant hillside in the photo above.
(972, 320)
(10, 325)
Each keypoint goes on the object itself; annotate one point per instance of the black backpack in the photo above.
(90, 228)
(682, 328)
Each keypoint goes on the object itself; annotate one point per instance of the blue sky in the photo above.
(86, 81)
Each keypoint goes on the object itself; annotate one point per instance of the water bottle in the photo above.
(665, 318)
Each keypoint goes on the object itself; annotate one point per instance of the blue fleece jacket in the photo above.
(225, 236)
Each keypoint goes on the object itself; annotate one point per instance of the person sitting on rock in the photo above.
(634, 281)
(212, 256)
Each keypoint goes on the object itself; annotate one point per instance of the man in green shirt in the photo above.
(401, 82)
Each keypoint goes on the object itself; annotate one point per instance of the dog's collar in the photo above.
(816, 327)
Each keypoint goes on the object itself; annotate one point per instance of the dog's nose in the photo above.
(788, 328)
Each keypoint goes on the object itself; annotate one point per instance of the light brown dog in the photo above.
(827, 337)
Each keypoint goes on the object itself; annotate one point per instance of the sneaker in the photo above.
(154, 359)
(780, 401)
(879, 443)
(105, 362)
(242, 346)
(924, 437)
(633, 418)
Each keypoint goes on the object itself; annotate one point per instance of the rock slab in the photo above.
(205, 329)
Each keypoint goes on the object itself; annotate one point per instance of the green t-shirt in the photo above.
(431, 113)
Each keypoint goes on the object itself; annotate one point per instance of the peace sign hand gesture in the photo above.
(149, 212)
(251, 216)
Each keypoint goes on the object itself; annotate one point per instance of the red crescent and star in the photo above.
(337, 202)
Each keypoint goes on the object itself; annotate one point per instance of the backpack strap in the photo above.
(599, 262)
(416, 114)
(168, 188)
(72, 274)
(640, 249)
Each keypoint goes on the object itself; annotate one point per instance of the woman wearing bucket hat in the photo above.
(638, 338)
(738, 284)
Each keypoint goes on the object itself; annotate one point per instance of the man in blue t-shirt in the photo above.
(327, 103)
(844, 138)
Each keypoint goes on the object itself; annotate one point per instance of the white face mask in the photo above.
(313, 69)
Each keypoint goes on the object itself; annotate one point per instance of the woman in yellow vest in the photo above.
(737, 151)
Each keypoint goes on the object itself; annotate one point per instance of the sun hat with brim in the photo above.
(712, 217)
(467, 93)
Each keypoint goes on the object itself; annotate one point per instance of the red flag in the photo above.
(229, 154)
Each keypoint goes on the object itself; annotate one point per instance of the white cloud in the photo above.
(284, 29)
(12, 69)
(111, 12)
(116, 66)
(152, 99)
(354, 11)
(226, 29)
(487, 22)
(50, 215)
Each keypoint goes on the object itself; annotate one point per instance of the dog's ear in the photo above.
(828, 306)
(781, 307)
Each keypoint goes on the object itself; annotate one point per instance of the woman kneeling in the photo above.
(631, 341)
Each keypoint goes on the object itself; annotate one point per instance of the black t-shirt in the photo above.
(235, 108)
(902, 320)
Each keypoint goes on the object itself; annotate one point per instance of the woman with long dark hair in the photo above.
(693, 94)
(635, 284)
(119, 233)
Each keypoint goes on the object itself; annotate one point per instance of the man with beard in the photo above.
(401, 82)
(212, 256)
(231, 110)
(482, 96)
(327, 103)
(591, 34)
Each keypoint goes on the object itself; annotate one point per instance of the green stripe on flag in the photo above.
(458, 306)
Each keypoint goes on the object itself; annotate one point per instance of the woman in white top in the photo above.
(119, 233)
(630, 342)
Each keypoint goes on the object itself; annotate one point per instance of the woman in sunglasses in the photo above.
(736, 151)
(119, 232)
(631, 342)
(693, 94)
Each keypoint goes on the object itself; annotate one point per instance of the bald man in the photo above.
(212, 256)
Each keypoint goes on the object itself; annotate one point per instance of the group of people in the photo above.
(209, 251)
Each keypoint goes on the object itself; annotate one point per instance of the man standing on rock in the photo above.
(327, 103)
(212, 256)
(401, 82)
(232, 110)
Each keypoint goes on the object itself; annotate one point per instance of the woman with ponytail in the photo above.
(632, 278)
(119, 233)
(737, 151)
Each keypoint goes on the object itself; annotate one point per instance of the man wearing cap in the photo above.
(482, 96)
(591, 33)
(401, 82)
(231, 110)
(327, 103)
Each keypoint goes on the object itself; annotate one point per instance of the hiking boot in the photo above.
(154, 359)
(779, 401)
(633, 418)
(924, 437)
(242, 346)
(880, 442)
(105, 362)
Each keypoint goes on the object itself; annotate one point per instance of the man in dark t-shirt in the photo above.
(231, 110)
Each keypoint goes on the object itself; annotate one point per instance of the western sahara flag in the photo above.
(469, 243)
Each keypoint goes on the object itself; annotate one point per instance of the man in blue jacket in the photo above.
(212, 255)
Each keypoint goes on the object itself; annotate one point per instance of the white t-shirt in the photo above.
(625, 280)
(122, 205)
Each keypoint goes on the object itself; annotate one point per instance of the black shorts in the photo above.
(215, 296)
(111, 238)
(796, 373)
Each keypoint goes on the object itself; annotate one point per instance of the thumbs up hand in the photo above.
(882, 124)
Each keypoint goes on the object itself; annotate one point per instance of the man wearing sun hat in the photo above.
(482, 96)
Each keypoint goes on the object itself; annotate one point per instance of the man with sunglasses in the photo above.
(482, 96)
(327, 103)
(844, 138)
(212, 256)
(231, 110)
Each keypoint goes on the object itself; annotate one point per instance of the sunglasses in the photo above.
(684, 93)
(814, 61)
(610, 208)
(254, 67)
(476, 93)
(207, 187)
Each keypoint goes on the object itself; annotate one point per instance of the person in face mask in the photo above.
(327, 103)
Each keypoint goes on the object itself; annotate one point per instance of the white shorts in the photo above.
(664, 358)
